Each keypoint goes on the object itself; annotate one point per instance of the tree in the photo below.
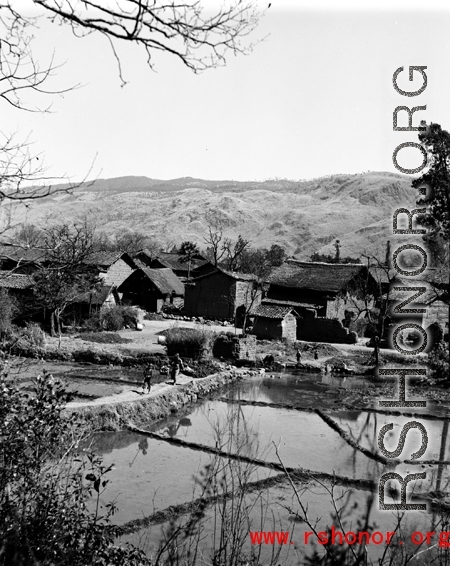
(188, 250)
(233, 253)
(276, 255)
(215, 251)
(67, 275)
(28, 236)
(47, 485)
(434, 188)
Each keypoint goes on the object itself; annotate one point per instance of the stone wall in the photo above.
(247, 348)
(324, 330)
(235, 347)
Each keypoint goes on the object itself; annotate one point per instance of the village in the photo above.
(294, 304)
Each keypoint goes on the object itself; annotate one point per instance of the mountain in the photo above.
(302, 216)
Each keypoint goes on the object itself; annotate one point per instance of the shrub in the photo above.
(46, 488)
(188, 342)
(112, 319)
(32, 335)
(8, 308)
(438, 361)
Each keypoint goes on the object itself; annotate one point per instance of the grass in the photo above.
(104, 338)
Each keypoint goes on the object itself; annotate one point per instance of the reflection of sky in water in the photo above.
(151, 475)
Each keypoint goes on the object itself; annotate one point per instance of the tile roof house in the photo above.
(18, 281)
(326, 296)
(328, 288)
(177, 263)
(221, 294)
(150, 289)
(20, 259)
(275, 322)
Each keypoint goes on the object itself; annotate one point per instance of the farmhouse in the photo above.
(330, 289)
(112, 267)
(177, 263)
(275, 322)
(151, 289)
(222, 294)
(326, 296)
(21, 260)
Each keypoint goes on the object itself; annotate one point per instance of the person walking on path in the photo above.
(299, 356)
(148, 374)
(177, 365)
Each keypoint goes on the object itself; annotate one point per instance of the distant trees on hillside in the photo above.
(239, 256)
(336, 258)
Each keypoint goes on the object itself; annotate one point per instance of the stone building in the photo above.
(222, 295)
(275, 322)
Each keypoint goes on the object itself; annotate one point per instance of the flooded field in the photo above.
(152, 475)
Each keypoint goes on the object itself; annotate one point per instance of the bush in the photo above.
(8, 308)
(112, 319)
(188, 342)
(32, 335)
(438, 361)
(47, 489)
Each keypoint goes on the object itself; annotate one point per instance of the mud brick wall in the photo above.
(247, 348)
(117, 273)
(289, 326)
(323, 330)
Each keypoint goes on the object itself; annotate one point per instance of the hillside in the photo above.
(302, 216)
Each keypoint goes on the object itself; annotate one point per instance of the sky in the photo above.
(314, 98)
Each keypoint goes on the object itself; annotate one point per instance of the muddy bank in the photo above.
(141, 412)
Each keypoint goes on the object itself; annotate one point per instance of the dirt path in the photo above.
(130, 393)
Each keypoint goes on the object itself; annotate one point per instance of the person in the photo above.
(376, 349)
(299, 356)
(316, 355)
(148, 374)
(177, 365)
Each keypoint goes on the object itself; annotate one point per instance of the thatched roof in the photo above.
(164, 280)
(233, 274)
(96, 297)
(314, 276)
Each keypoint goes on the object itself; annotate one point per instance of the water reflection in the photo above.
(151, 475)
